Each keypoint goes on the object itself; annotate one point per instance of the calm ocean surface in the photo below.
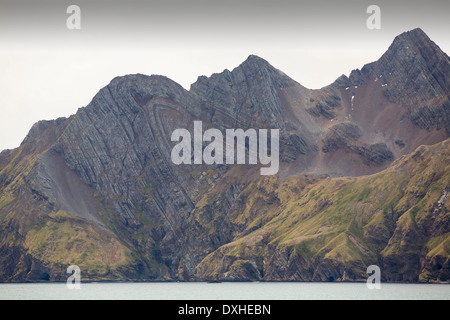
(223, 291)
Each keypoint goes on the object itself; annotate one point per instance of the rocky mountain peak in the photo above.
(417, 40)
(256, 61)
(143, 87)
(414, 50)
(263, 70)
(254, 71)
(414, 38)
(415, 73)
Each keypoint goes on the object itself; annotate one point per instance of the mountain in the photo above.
(363, 179)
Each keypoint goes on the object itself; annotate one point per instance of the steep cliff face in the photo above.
(99, 189)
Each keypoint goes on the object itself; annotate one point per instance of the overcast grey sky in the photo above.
(48, 71)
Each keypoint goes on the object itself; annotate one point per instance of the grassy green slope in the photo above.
(333, 229)
(39, 242)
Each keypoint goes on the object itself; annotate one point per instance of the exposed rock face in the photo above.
(107, 170)
(346, 135)
(341, 135)
(419, 73)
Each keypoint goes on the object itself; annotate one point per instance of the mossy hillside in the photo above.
(356, 221)
(12, 176)
(68, 240)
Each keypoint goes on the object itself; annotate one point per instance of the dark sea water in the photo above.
(223, 291)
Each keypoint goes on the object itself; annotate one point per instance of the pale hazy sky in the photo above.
(48, 71)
